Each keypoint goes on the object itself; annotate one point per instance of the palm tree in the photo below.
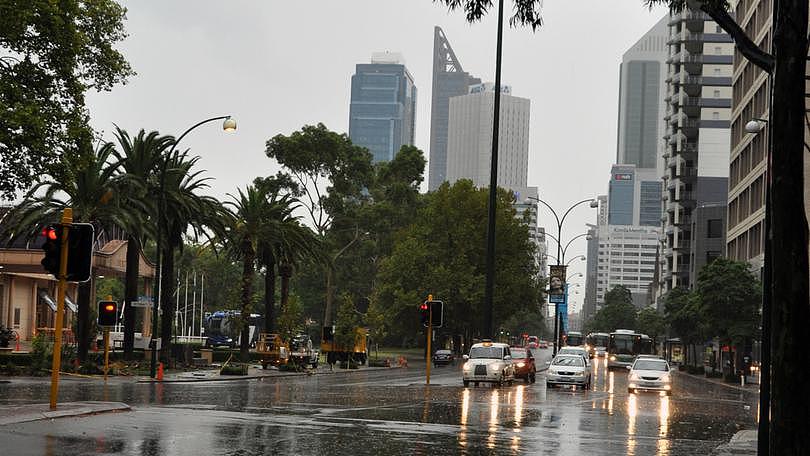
(139, 157)
(91, 187)
(184, 212)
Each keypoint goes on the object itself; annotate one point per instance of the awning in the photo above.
(52, 304)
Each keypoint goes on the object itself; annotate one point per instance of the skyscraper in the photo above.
(382, 114)
(469, 142)
(698, 140)
(642, 88)
(634, 196)
(449, 80)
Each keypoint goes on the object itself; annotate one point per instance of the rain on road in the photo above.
(382, 411)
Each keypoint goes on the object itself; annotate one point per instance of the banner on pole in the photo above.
(556, 283)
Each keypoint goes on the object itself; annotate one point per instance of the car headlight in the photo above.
(467, 366)
(666, 378)
(633, 376)
(230, 340)
(580, 374)
(613, 358)
(521, 364)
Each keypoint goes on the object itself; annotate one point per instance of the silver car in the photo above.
(649, 374)
(568, 370)
(576, 351)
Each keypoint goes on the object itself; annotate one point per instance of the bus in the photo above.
(222, 328)
(647, 345)
(597, 344)
(574, 339)
(623, 347)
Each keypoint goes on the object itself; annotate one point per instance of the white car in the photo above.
(649, 374)
(576, 351)
(489, 362)
(568, 370)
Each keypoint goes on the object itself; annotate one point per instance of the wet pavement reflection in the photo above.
(383, 412)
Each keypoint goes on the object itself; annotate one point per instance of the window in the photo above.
(718, 29)
(717, 71)
(714, 228)
(17, 318)
(715, 115)
(712, 255)
(717, 93)
(718, 49)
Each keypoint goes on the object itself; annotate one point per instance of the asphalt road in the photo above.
(381, 412)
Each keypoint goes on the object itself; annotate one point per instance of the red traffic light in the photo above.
(49, 232)
(109, 308)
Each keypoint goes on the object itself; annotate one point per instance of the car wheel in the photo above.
(669, 393)
(532, 377)
(466, 383)
(549, 385)
(629, 390)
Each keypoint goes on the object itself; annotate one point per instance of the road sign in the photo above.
(141, 304)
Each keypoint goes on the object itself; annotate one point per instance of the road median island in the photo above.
(752, 389)
(15, 414)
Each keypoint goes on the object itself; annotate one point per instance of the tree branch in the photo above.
(747, 47)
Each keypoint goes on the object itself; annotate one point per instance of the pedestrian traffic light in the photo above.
(107, 313)
(52, 247)
(80, 251)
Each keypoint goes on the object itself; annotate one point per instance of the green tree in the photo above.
(291, 319)
(329, 174)
(51, 54)
(650, 322)
(618, 312)
(729, 297)
(788, 232)
(682, 315)
(442, 253)
(347, 322)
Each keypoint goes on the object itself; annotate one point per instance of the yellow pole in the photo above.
(429, 334)
(67, 219)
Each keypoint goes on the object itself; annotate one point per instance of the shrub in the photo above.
(234, 369)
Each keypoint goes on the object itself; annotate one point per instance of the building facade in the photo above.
(449, 80)
(382, 114)
(625, 255)
(469, 142)
(697, 137)
(634, 196)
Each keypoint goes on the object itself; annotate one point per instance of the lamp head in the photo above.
(229, 124)
(594, 203)
(754, 126)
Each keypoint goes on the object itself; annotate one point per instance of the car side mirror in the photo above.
(465, 357)
(629, 367)
(507, 358)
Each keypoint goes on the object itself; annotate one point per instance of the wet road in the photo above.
(382, 412)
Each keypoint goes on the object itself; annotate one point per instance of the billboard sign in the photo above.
(556, 283)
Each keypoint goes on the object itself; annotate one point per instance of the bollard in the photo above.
(160, 372)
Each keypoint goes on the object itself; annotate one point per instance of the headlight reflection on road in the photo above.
(610, 382)
(465, 410)
(632, 411)
(519, 405)
(494, 406)
(663, 427)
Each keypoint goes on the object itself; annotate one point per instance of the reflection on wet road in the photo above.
(383, 411)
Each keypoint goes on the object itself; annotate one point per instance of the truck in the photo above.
(358, 351)
(272, 350)
(302, 352)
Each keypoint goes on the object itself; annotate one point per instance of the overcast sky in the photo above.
(278, 65)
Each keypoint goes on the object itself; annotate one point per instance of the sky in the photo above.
(279, 65)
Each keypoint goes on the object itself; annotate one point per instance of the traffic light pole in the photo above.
(429, 336)
(67, 219)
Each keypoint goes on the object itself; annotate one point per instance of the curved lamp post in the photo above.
(228, 125)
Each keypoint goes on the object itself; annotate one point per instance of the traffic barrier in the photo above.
(160, 372)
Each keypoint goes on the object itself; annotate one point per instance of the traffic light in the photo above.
(52, 247)
(80, 251)
(107, 313)
(424, 313)
(437, 309)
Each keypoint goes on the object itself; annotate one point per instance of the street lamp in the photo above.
(228, 125)
(561, 255)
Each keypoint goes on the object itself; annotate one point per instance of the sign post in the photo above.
(67, 220)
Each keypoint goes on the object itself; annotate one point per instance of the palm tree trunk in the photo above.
(83, 335)
(131, 293)
(166, 302)
(285, 270)
(248, 259)
(269, 261)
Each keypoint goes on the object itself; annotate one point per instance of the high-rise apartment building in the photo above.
(642, 88)
(697, 138)
(449, 80)
(469, 142)
(382, 114)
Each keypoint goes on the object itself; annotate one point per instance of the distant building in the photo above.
(698, 137)
(382, 114)
(449, 80)
(625, 256)
(469, 144)
(708, 237)
(634, 196)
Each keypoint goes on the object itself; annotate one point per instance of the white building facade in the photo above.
(625, 256)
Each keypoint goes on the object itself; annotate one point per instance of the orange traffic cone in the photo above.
(160, 372)
(17, 345)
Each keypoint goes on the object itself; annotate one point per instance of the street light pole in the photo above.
(493, 185)
(229, 124)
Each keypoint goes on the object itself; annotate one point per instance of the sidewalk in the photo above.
(254, 372)
(34, 412)
(743, 443)
(752, 388)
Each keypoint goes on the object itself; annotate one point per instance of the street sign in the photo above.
(141, 304)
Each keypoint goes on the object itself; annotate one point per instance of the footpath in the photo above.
(254, 372)
(34, 412)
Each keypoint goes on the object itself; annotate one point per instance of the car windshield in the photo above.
(568, 361)
(442, 352)
(486, 352)
(650, 365)
(518, 353)
(570, 351)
